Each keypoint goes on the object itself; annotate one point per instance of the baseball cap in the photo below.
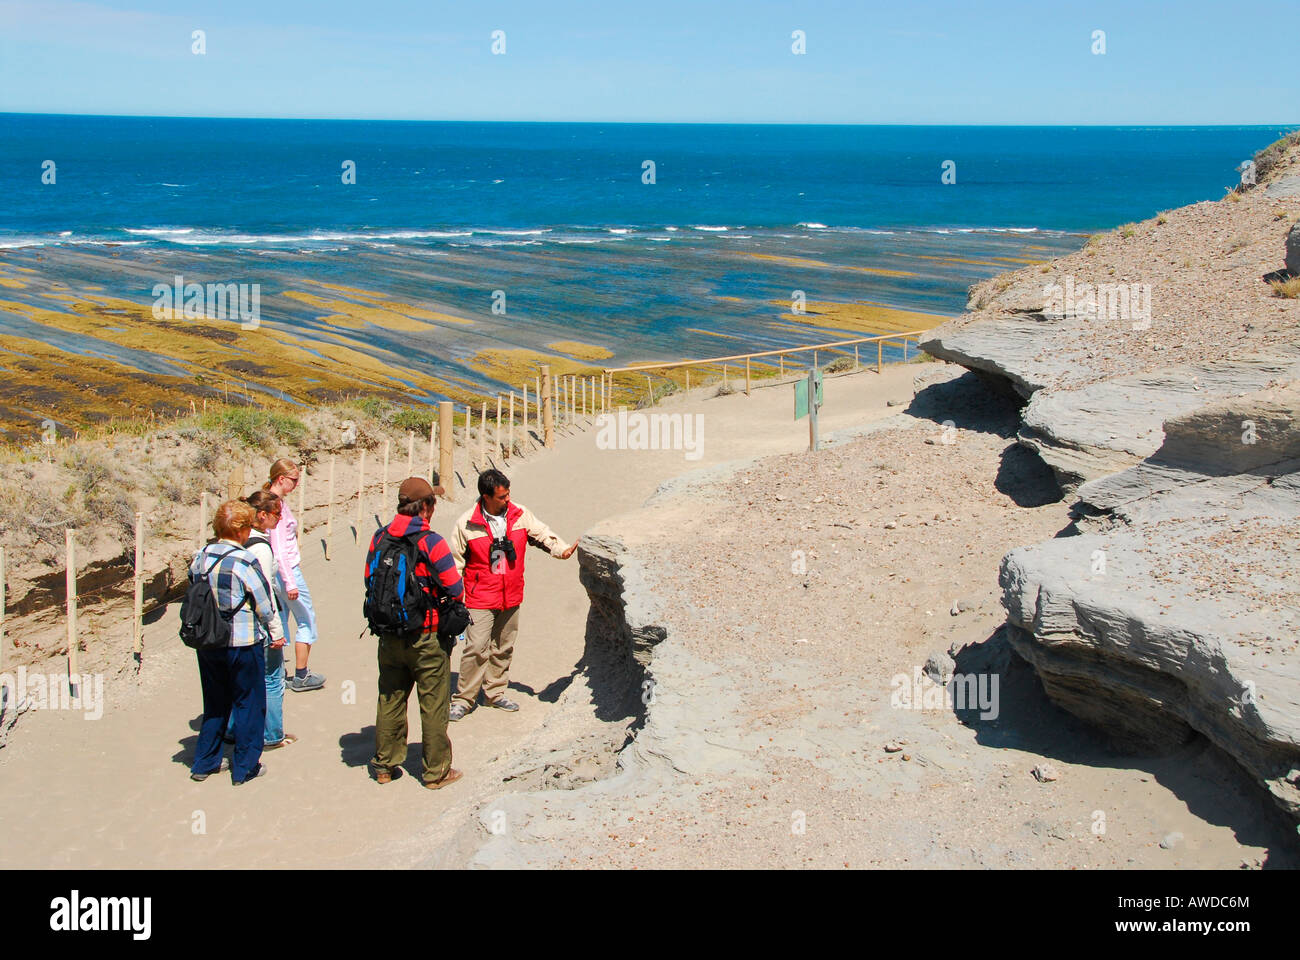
(417, 488)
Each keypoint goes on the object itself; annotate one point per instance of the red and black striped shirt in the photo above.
(434, 558)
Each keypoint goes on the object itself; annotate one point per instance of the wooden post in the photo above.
(410, 453)
(74, 671)
(548, 415)
(814, 359)
(302, 487)
(235, 483)
(905, 349)
(329, 516)
(482, 438)
(538, 395)
(781, 360)
(383, 488)
(203, 516)
(649, 391)
(812, 409)
(496, 438)
(688, 379)
(525, 411)
(724, 374)
(855, 357)
(880, 355)
(361, 488)
(747, 376)
(432, 444)
(2, 609)
(446, 472)
(469, 418)
(510, 443)
(137, 621)
(583, 408)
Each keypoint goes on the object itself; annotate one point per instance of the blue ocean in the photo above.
(650, 240)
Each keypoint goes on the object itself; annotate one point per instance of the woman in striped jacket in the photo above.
(233, 678)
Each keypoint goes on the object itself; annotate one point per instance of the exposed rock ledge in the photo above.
(1177, 423)
(1179, 615)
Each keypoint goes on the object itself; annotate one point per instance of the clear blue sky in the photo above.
(1197, 61)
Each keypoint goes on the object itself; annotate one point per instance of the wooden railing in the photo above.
(780, 354)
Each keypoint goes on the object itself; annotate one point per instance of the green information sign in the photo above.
(801, 395)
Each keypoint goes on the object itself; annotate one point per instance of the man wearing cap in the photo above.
(489, 546)
(418, 661)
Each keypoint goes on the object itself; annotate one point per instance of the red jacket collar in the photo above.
(513, 512)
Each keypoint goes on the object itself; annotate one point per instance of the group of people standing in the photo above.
(254, 570)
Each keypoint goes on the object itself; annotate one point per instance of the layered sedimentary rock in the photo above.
(1177, 426)
(1179, 614)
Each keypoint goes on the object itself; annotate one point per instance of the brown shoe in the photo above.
(383, 775)
(288, 741)
(451, 776)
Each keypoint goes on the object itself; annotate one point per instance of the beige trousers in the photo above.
(485, 661)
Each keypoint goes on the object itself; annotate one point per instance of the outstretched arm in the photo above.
(546, 538)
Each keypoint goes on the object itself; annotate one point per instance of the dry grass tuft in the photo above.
(1289, 289)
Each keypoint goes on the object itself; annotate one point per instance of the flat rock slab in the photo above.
(1133, 635)
(1105, 427)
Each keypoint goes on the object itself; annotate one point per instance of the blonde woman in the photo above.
(233, 677)
(290, 587)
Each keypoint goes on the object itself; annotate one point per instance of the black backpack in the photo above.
(204, 625)
(396, 601)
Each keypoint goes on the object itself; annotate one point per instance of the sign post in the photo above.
(807, 401)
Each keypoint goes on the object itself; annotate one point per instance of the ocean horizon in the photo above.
(642, 241)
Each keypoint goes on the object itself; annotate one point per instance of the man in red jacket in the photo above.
(489, 546)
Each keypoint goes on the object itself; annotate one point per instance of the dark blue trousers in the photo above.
(234, 691)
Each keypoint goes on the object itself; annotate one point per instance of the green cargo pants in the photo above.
(424, 664)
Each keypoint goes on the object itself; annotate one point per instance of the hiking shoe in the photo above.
(288, 741)
(260, 771)
(501, 703)
(200, 777)
(313, 681)
(451, 776)
(457, 711)
(385, 775)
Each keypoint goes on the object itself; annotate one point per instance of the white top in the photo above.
(266, 560)
(497, 524)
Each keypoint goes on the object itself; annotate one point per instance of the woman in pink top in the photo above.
(290, 587)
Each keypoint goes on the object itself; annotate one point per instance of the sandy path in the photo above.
(114, 792)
